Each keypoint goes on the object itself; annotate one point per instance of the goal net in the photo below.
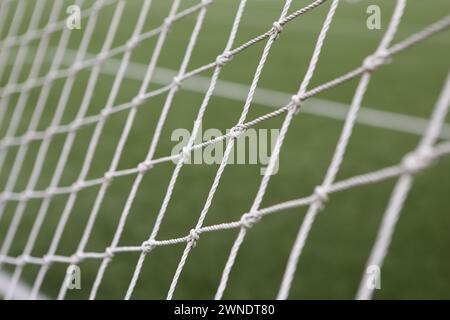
(94, 204)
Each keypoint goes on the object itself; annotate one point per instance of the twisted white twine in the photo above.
(413, 163)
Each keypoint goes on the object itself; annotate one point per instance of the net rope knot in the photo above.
(22, 260)
(76, 68)
(29, 137)
(277, 28)
(50, 192)
(193, 237)
(237, 131)
(248, 220)
(76, 258)
(76, 124)
(30, 36)
(27, 195)
(51, 76)
(47, 260)
(143, 167)
(132, 43)
(47, 30)
(147, 246)
(223, 58)
(417, 160)
(321, 195)
(376, 60)
(137, 100)
(77, 186)
(296, 101)
(29, 84)
(177, 82)
(50, 131)
(104, 113)
(101, 57)
(185, 154)
(108, 177)
(109, 253)
(168, 21)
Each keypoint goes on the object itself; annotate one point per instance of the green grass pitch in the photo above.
(418, 263)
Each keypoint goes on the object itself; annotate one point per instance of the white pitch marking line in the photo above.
(270, 98)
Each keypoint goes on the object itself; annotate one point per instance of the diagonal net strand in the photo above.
(4, 11)
(22, 101)
(95, 139)
(23, 98)
(321, 190)
(16, 87)
(93, 216)
(116, 85)
(12, 31)
(60, 108)
(19, 59)
(143, 168)
(14, 224)
(229, 145)
(413, 162)
(222, 59)
(68, 143)
(20, 156)
(41, 103)
(250, 218)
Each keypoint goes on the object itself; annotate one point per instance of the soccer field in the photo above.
(395, 111)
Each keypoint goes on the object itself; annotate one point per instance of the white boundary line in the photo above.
(267, 97)
(271, 98)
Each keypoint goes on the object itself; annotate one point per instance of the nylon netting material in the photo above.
(426, 152)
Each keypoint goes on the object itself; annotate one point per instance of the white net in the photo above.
(27, 98)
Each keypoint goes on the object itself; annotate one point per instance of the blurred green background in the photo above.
(418, 263)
